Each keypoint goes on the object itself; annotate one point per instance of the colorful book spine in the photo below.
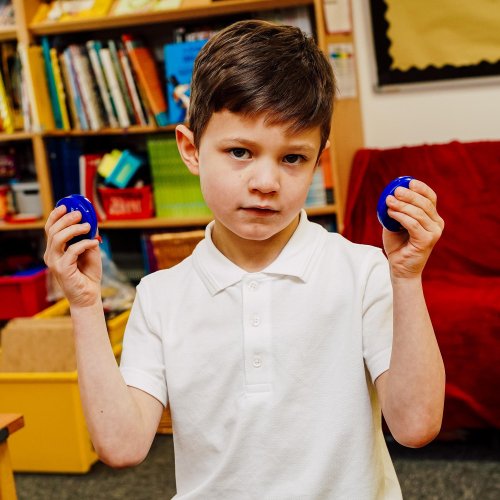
(121, 110)
(113, 51)
(83, 119)
(73, 113)
(132, 87)
(51, 82)
(93, 48)
(85, 81)
(61, 94)
(176, 191)
(33, 63)
(147, 73)
(5, 109)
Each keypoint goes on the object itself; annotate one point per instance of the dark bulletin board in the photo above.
(387, 77)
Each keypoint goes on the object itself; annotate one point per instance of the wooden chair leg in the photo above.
(7, 484)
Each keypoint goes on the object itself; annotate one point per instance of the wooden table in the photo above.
(9, 423)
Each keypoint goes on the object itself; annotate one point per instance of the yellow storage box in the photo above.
(55, 437)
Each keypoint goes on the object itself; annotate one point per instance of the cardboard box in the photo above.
(55, 438)
(38, 345)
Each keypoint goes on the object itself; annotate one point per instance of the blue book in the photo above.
(179, 62)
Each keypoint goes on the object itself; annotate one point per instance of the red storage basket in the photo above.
(23, 295)
(127, 203)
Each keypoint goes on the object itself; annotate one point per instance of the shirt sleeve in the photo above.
(142, 361)
(377, 316)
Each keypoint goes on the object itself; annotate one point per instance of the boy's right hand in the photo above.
(77, 267)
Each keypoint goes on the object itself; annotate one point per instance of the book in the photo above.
(113, 51)
(54, 100)
(133, 91)
(83, 119)
(109, 71)
(121, 7)
(5, 109)
(179, 62)
(64, 155)
(176, 191)
(67, 10)
(147, 74)
(38, 95)
(124, 169)
(86, 84)
(71, 98)
(12, 77)
(88, 164)
(61, 94)
(93, 49)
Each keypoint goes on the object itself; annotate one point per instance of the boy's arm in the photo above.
(122, 421)
(411, 392)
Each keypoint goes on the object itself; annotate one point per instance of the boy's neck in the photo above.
(251, 255)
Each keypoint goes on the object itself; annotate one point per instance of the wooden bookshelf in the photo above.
(189, 10)
(346, 134)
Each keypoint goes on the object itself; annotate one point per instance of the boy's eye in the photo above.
(240, 153)
(294, 159)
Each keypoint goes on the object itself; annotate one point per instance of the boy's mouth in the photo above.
(260, 211)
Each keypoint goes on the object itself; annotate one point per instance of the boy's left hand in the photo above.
(415, 210)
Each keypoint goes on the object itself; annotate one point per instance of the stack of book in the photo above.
(112, 83)
(176, 191)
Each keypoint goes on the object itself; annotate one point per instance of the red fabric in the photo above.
(462, 277)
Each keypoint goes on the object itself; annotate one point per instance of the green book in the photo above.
(176, 191)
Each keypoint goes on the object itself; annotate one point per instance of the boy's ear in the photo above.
(187, 149)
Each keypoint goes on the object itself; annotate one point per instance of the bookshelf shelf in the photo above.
(21, 226)
(110, 131)
(15, 136)
(191, 9)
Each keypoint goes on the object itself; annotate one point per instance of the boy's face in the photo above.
(254, 177)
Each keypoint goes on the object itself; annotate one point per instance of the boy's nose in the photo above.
(264, 178)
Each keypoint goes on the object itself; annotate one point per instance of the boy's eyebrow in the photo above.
(297, 147)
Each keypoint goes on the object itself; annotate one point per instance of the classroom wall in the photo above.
(463, 111)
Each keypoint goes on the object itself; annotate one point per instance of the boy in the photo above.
(274, 341)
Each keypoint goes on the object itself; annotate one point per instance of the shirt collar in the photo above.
(296, 258)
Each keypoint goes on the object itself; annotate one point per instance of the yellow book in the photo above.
(108, 162)
(61, 94)
(66, 10)
(5, 109)
(38, 94)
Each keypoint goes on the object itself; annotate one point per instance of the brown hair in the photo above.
(255, 67)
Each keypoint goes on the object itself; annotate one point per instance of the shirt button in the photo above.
(257, 362)
(253, 285)
(255, 320)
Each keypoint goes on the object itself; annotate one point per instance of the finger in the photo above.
(61, 238)
(54, 216)
(425, 199)
(69, 259)
(423, 189)
(412, 210)
(65, 220)
(74, 251)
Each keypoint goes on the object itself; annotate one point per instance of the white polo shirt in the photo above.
(269, 374)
